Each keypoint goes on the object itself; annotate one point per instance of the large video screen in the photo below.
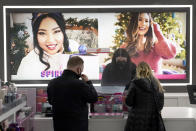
(40, 41)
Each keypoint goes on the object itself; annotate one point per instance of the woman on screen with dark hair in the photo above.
(145, 42)
(50, 42)
(146, 97)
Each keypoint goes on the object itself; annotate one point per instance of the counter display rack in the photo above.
(109, 104)
(27, 122)
(11, 108)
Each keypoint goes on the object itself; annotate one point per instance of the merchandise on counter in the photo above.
(23, 113)
(8, 92)
(47, 109)
(109, 103)
(15, 127)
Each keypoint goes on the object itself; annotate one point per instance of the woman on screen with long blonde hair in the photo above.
(146, 42)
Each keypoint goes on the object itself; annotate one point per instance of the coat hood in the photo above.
(143, 84)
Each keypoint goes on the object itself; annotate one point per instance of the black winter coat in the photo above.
(118, 72)
(112, 75)
(143, 114)
(69, 97)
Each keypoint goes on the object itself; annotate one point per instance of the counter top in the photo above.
(174, 95)
(175, 119)
(167, 113)
(179, 113)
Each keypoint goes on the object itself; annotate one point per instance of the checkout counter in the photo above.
(178, 115)
(175, 119)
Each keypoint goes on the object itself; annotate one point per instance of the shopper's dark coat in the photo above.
(143, 115)
(69, 97)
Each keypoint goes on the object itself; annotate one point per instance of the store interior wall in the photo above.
(104, 2)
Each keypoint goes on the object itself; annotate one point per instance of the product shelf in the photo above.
(12, 108)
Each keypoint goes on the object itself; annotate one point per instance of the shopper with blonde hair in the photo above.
(146, 97)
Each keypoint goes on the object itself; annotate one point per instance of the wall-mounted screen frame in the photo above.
(192, 93)
(11, 13)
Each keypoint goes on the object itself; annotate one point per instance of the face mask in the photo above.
(121, 64)
(78, 76)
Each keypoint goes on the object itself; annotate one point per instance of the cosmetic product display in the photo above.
(108, 106)
(108, 103)
(14, 112)
(15, 127)
(8, 92)
(41, 98)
